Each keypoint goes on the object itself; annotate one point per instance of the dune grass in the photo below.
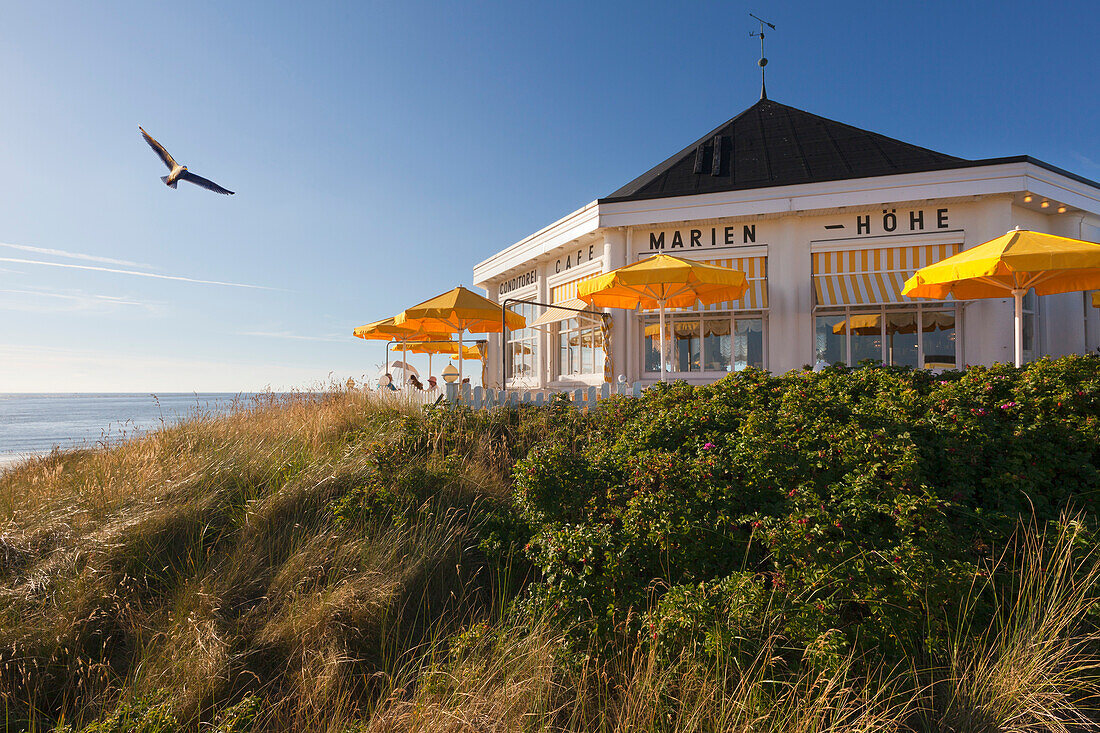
(325, 561)
(203, 563)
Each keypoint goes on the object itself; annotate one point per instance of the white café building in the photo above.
(827, 221)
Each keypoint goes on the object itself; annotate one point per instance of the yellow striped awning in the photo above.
(568, 290)
(871, 276)
(1096, 299)
(755, 297)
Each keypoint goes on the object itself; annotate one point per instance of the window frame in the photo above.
(882, 310)
(590, 331)
(700, 316)
(523, 336)
(1031, 311)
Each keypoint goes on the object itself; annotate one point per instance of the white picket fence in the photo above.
(480, 399)
(409, 395)
(582, 398)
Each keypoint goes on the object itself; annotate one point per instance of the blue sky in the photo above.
(380, 150)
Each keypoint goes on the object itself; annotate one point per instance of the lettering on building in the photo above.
(677, 239)
(517, 282)
(584, 254)
(891, 221)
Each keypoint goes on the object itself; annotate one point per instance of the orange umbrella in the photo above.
(663, 281)
(1011, 264)
(387, 330)
(459, 310)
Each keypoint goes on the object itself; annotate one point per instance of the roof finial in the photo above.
(763, 61)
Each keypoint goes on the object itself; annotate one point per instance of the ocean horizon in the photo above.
(35, 423)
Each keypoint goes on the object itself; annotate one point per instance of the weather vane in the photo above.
(763, 61)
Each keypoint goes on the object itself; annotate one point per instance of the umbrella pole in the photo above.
(429, 364)
(1018, 322)
(460, 362)
(661, 303)
(388, 359)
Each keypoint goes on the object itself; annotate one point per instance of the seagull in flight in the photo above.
(179, 172)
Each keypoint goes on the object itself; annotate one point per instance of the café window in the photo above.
(521, 348)
(580, 347)
(861, 313)
(705, 342)
(1031, 336)
(919, 335)
(715, 339)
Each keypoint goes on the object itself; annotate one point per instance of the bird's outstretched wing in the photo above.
(205, 183)
(159, 149)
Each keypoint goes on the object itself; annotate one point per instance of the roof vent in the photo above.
(699, 157)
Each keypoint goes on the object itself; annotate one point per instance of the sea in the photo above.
(33, 424)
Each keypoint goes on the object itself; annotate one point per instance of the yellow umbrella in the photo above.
(663, 281)
(1012, 263)
(444, 346)
(383, 330)
(441, 347)
(387, 330)
(459, 310)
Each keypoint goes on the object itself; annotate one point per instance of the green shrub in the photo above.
(860, 502)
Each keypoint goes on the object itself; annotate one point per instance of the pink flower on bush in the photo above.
(708, 446)
(1007, 405)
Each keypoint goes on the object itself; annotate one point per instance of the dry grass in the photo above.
(514, 678)
(203, 561)
(1036, 667)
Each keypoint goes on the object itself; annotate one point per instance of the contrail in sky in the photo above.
(289, 335)
(72, 255)
(105, 299)
(132, 272)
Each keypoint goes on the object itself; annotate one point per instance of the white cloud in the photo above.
(133, 272)
(73, 255)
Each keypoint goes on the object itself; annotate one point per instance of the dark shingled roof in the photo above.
(771, 144)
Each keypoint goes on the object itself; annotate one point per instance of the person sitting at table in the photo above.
(432, 383)
(415, 382)
(388, 379)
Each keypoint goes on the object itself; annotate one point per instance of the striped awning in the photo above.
(871, 276)
(755, 297)
(566, 310)
(567, 290)
(1096, 299)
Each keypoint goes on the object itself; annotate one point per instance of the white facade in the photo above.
(795, 234)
